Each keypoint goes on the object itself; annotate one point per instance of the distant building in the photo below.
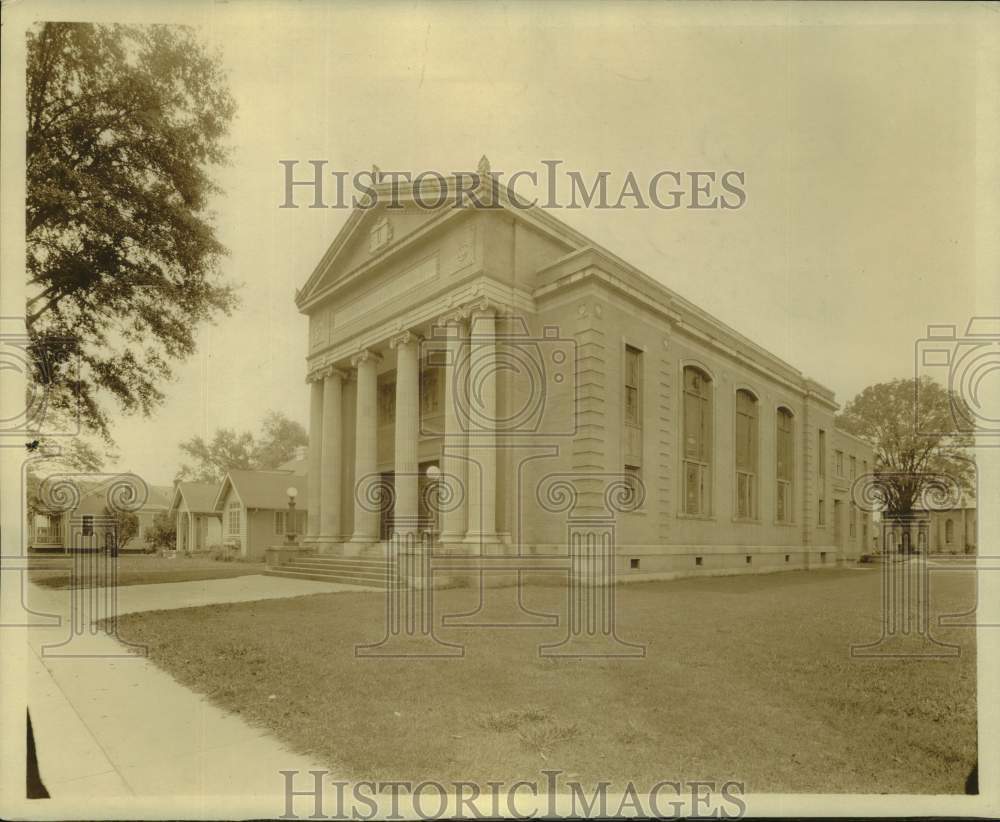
(199, 525)
(952, 531)
(87, 526)
(253, 506)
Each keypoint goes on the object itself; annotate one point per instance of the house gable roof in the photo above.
(262, 489)
(199, 497)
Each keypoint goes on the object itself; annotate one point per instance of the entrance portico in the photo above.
(463, 444)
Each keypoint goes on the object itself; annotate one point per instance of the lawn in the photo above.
(746, 678)
(56, 571)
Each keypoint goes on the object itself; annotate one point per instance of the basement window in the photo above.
(633, 563)
(787, 557)
(749, 559)
(822, 556)
(697, 560)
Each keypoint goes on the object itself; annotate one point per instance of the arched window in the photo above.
(746, 455)
(785, 468)
(949, 531)
(697, 442)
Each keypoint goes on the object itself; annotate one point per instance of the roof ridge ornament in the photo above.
(484, 166)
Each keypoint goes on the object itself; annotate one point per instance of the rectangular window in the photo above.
(633, 371)
(854, 468)
(697, 441)
(233, 518)
(633, 479)
(853, 529)
(280, 518)
(88, 525)
(430, 390)
(785, 468)
(821, 478)
(386, 399)
(746, 455)
(839, 456)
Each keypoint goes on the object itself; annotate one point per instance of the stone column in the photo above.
(331, 451)
(315, 456)
(482, 394)
(456, 419)
(366, 449)
(407, 431)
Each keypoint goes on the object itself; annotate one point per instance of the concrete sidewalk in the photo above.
(110, 724)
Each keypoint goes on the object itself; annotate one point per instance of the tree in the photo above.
(124, 124)
(229, 449)
(120, 528)
(279, 440)
(163, 532)
(917, 430)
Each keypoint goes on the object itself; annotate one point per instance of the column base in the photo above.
(488, 543)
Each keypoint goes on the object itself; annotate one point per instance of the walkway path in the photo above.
(108, 724)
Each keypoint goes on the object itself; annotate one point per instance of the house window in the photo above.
(697, 434)
(88, 525)
(853, 525)
(233, 519)
(854, 468)
(386, 401)
(633, 481)
(821, 512)
(785, 468)
(632, 373)
(280, 518)
(839, 462)
(949, 531)
(746, 455)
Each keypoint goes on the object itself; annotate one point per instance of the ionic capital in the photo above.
(365, 356)
(406, 338)
(331, 371)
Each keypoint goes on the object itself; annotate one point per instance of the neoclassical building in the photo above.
(502, 354)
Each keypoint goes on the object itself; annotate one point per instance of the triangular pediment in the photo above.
(368, 236)
(373, 234)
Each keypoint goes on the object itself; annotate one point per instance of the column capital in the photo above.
(405, 338)
(330, 371)
(482, 307)
(365, 355)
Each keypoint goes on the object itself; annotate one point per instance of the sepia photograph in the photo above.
(435, 410)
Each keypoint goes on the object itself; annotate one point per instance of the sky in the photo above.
(858, 143)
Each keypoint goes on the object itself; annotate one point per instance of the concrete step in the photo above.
(368, 582)
(313, 562)
(339, 573)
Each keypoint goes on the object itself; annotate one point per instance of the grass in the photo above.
(56, 571)
(747, 678)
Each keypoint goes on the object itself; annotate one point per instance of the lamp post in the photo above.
(290, 535)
